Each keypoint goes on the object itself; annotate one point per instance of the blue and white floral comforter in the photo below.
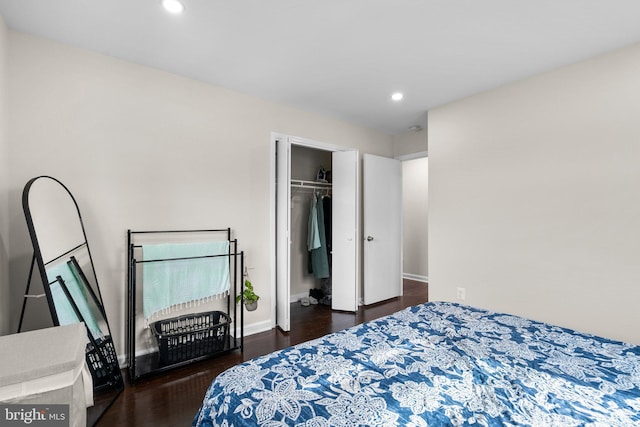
(431, 365)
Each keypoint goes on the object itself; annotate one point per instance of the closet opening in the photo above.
(311, 223)
(305, 171)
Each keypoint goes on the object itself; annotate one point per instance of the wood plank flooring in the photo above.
(172, 399)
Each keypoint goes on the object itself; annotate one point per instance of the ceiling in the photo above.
(342, 58)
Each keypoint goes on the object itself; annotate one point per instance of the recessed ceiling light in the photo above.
(173, 6)
(397, 96)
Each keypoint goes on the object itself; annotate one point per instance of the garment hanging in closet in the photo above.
(319, 261)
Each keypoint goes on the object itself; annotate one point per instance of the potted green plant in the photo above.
(249, 296)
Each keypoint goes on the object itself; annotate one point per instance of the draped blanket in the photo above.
(434, 364)
(179, 273)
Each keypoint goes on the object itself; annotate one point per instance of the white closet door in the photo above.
(382, 215)
(344, 204)
(283, 240)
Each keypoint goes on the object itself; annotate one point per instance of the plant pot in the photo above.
(250, 306)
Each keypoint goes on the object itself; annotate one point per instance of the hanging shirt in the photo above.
(319, 259)
(313, 234)
(326, 206)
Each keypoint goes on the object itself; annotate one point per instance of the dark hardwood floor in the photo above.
(172, 399)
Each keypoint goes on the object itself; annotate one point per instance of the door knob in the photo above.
(369, 238)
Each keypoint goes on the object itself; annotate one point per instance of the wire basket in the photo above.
(101, 374)
(191, 336)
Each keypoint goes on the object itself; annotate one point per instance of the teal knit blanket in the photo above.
(170, 280)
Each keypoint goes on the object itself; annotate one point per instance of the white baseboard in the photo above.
(415, 277)
(122, 358)
(298, 297)
(256, 328)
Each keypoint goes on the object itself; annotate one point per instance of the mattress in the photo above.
(434, 364)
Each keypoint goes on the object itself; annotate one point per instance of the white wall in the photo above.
(4, 191)
(534, 200)
(415, 230)
(144, 149)
(411, 142)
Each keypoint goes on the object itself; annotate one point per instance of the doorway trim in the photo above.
(310, 143)
(412, 156)
(403, 158)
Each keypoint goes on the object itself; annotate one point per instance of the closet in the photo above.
(309, 183)
(298, 158)
(296, 162)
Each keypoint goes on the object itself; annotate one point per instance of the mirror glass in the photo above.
(55, 218)
(66, 268)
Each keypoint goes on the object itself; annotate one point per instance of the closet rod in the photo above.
(310, 184)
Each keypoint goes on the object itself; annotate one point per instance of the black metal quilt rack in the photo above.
(203, 339)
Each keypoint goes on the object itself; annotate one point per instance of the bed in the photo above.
(434, 364)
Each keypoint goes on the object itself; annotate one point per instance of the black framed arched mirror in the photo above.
(63, 258)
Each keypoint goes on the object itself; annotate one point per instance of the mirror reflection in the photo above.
(66, 267)
(68, 274)
(56, 219)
